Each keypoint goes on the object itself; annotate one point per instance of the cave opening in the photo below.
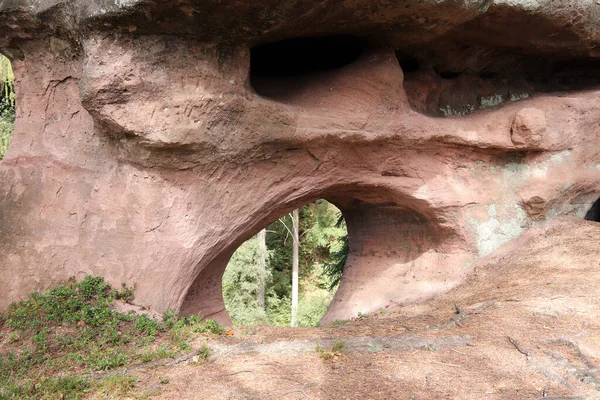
(408, 63)
(7, 104)
(448, 75)
(282, 68)
(593, 213)
(261, 286)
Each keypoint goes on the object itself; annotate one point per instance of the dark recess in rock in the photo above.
(449, 75)
(408, 64)
(479, 78)
(594, 213)
(273, 64)
(303, 56)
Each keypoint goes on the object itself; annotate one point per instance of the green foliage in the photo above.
(146, 325)
(181, 329)
(73, 330)
(70, 387)
(323, 353)
(126, 294)
(279, 309)
(241, 283)
(338, 322)
(203, 354)
(335, 268)
(118, 384)
(311, 309)
(7, 104)
(87, 301)
(339, 347)
(7, 124)
(335, 350)
(7, 81)
(323, 250)
(208, 326)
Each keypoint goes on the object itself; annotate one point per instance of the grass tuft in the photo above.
(336, 350)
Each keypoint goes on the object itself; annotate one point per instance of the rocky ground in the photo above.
(524, 326)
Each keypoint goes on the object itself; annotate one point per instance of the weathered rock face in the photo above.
(153, 138)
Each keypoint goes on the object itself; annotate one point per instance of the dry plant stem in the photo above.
(300, 389)
(235, 373)
(516, 344)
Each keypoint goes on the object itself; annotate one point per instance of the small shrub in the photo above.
(120, 384)
(107, 360)
(336, 349)
(183, 346)
(203, 354)
(41, 340)
(126, 294)
(170, 317)
(208, 326)
(339, 347)
(340, 322)
(94, 287)
(147, 325)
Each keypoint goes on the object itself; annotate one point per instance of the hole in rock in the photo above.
(281, 69)
(449, 75)
(488, 75)
(594, 213)
(408, 64)
(454, 80)
(7, 104)
(258, 281)
(390, 234)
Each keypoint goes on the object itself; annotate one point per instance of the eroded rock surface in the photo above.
(153, 138)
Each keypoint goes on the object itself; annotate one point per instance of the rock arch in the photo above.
(397, 251)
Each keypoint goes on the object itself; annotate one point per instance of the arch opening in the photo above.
(7, 104)
(258, 281)
(399, 250)
(282, 70)
(593, 213)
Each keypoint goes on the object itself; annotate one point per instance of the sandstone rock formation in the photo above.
(154, 137)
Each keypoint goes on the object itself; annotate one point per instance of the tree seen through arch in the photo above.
(261, 293)
(7, 104)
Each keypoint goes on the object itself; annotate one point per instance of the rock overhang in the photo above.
(569, 27)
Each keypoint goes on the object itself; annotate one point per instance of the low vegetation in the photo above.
(53, 344)
(334, 351)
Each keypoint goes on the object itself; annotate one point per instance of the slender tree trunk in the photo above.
(262, 264)
(295, 251)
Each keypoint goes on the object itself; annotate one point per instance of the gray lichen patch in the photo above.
(448, 111)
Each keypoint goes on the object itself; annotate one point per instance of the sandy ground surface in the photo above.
(525, 325)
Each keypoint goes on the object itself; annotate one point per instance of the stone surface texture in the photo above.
(147, 147)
